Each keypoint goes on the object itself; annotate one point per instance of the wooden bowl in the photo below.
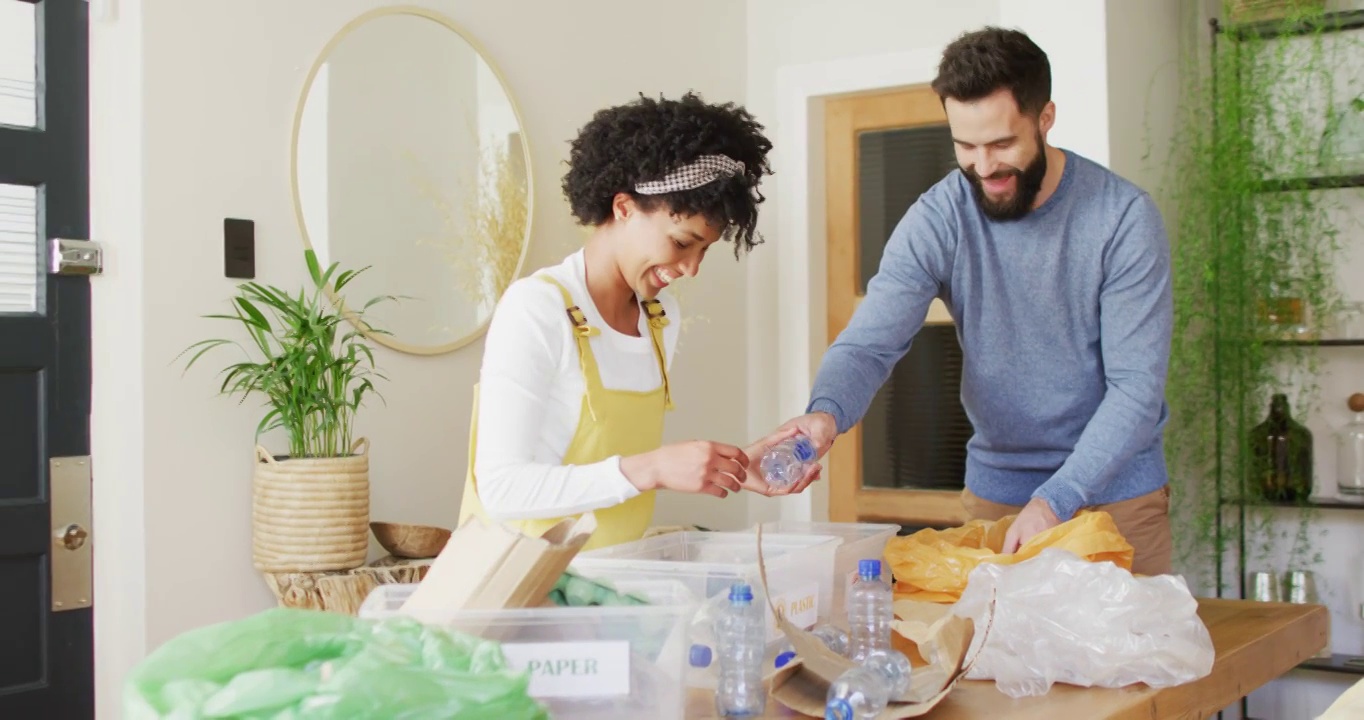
(410, 541)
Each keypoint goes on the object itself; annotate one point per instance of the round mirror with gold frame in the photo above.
(408, 158)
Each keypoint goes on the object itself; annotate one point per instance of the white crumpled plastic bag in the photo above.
(1058, 618)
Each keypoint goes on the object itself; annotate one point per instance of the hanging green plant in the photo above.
(1254, 253)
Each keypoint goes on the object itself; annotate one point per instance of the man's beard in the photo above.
(1026, 188)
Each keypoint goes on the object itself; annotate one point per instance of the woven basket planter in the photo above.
(310, 514)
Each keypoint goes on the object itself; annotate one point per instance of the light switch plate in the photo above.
(239, 248)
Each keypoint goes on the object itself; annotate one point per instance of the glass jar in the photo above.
(1349, 321)
(1350, 452)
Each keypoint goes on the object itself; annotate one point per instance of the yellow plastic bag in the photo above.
(932, 565)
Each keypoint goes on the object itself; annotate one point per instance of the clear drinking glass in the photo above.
(1349, 321)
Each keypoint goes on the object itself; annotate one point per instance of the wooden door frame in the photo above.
(845, 116)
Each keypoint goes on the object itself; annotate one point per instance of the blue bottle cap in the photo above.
(869, 569)
(804, 449)
(740, 592)
(784, 658)
(838, 709)
(699, 656)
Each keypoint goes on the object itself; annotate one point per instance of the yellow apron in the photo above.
(611, 422)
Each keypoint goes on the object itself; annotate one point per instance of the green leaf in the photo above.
(256, 318)
(314, 270)
(204, 346)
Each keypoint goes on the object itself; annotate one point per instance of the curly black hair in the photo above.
(646, 139)
(979, 63)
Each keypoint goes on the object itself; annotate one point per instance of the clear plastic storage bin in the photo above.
(586, 663)
(860, 541)
(800, 575)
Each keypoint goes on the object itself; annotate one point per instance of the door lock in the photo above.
(72, 537)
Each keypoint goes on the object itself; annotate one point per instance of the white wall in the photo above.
(188, 129)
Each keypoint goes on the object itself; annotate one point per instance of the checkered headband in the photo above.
(703, 170)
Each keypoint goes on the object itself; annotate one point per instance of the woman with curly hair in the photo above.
(568, 415)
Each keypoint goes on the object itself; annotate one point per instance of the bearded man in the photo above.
(1057, 274)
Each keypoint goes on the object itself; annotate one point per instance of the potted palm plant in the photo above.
(310, 507)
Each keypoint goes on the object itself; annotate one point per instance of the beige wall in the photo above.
(191, 126)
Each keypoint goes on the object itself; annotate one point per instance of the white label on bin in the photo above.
(800, 607)
(579, 669)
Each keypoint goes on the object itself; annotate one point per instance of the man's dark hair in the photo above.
(645, 140)
(980, 63)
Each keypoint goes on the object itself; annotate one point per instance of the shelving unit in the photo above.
(1321, 182)
(1340, 664)
(1333, 22)
(1340, 21)
(1317, 343)
(1320, 503)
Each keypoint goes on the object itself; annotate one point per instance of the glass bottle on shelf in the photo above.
(1281, 455)
(1350, 451)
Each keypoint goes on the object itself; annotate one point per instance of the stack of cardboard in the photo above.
(487, 566)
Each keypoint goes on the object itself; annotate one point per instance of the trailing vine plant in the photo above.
(1249, 241)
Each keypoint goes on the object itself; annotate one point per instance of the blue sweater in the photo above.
(1064, 319)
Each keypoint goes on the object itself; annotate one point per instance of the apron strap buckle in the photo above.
(653, 309)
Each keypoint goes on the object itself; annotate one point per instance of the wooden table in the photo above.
(1255, 643)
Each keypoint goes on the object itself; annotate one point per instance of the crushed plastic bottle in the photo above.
(864, 691)
(786, 463)
(832, 637)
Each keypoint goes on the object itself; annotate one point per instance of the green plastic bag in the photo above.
(287, 664)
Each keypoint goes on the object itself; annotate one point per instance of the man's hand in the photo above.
(818, 426)
(1035, 517)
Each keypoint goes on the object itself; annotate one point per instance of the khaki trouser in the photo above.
(1144, 521)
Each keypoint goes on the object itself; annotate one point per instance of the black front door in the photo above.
(46, 647)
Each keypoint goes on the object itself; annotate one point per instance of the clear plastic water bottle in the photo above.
(832, 637)
(785, 464)
(870, 611)
(864, 691)
(741, 638)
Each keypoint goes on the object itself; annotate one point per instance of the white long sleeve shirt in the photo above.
(530, 397)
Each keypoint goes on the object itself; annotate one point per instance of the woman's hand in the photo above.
(698, 466)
